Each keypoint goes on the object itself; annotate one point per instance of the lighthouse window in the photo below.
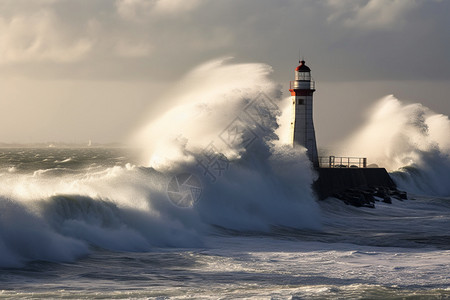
(300, 101)
(303, 76)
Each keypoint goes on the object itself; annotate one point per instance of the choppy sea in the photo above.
(92, 223)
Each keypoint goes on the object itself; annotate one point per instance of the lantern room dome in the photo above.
(302, 67)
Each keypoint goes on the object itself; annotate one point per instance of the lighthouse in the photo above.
(302, 126)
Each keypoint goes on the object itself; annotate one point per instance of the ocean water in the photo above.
(87, 223)
(210, 204)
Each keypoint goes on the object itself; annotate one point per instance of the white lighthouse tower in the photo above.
(302, 126)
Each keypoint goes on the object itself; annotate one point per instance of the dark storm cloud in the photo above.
(129, 39)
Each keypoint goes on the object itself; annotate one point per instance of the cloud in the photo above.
(160, 39)
(175, 6)
(37, 37)
(372, 14)
(138, 10)
(128, 48)
(133, 9)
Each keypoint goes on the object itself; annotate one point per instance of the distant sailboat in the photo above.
(89, 143)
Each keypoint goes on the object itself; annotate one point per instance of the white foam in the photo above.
(408, 138)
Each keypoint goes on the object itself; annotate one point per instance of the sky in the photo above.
(73, 71)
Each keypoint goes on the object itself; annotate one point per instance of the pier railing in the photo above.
(342, 162)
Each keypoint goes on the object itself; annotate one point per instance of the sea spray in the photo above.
(206, 102)
(226, 114)
(223, 130)
(429, 176)
(409, 140)
(59, 218)
(258, 194)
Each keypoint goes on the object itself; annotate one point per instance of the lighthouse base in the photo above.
(357, 186)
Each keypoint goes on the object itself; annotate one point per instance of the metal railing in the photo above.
(299, 84)
(342, 162)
